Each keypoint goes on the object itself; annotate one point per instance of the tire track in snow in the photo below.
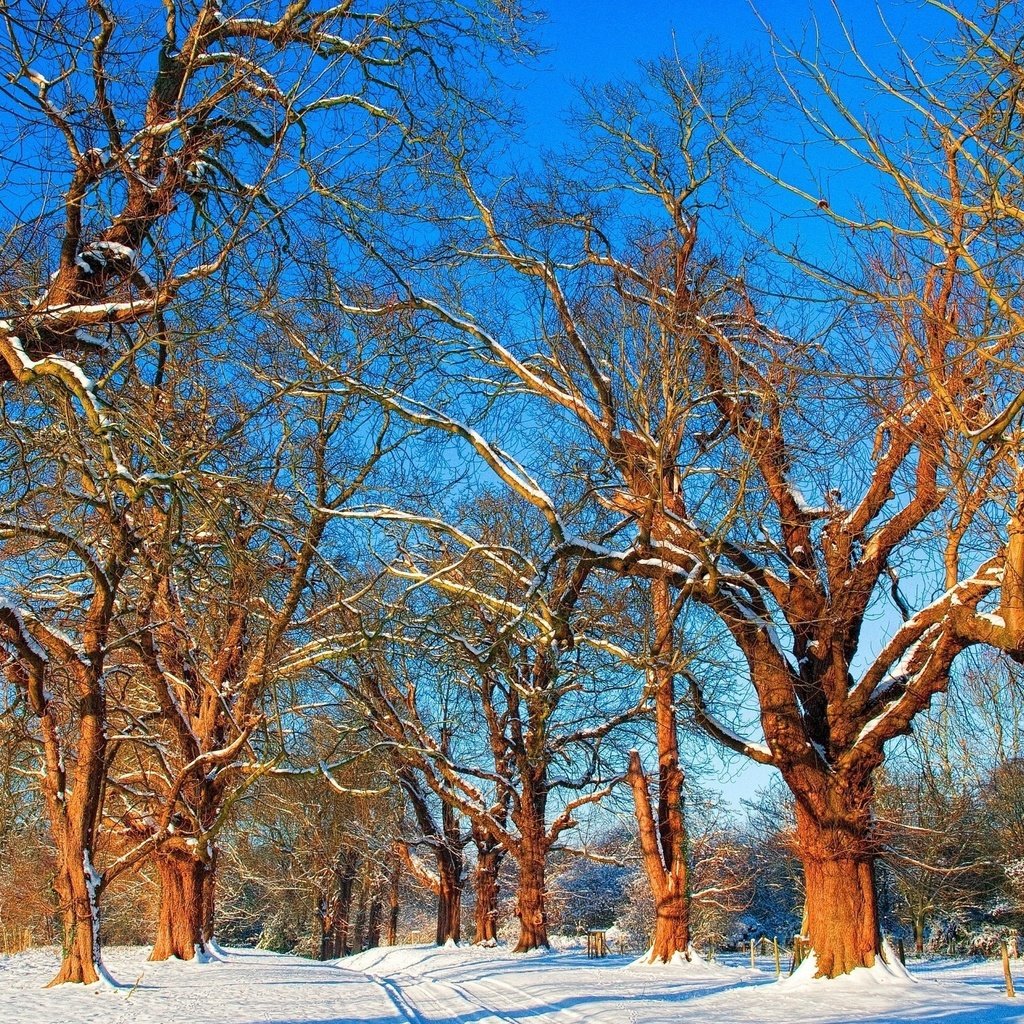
(393, 994)
(428, 1001)
(626, 990)
(538, 1010)
(553, 1012)
(396, 998)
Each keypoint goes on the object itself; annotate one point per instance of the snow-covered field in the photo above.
(426, 985)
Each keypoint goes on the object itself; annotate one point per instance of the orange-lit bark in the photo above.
(835, 845)
(181, 924)
(485, 876)
(663, 840)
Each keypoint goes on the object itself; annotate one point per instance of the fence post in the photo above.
(1006, 970)
(753, 963)
(778, 962)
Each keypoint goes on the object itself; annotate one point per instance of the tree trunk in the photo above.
(75, 885)
(488, 861)
(210, 896)
(665, 863)
(335, 908)
(323, 920)
(530, 909)
(184, 897)
(672, 919)
(394, 883)
(449, 896)
(663, 838)
(919, 934)
(834, 837)
(358, 930)
(74, 811)
(373, 923)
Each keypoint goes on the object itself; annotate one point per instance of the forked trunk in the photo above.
(74, 811)
(663, 836)
(834, 837)
(184, 902)
(75, 886)
(530, 909)
(486, 915)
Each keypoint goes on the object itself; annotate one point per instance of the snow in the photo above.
(804, 506)
(755, 748)
(431, 985)
(891, 972)
(19, 614)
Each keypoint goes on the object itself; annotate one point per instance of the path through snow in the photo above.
(427, 985)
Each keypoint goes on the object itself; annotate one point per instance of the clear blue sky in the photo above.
(597, 40)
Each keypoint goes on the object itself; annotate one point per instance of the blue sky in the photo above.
(603, 39)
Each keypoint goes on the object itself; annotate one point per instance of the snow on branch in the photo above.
(758, 752)
(504, 465)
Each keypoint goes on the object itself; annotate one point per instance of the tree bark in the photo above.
(663, 838)
(672, 919)
(488, 862)
(530, 907)
(449, 896)
(75, 887)
(184, 901)
(394, 884)
(835, 841)
(373, 923)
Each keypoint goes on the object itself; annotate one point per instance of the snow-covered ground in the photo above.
(426, 985)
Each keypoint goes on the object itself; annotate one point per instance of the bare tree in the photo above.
(231, 599)
(444, 836)
(179, 151)
(70, 538)
(526, 649)
(702, 424)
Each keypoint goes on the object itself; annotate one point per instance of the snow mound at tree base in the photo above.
(887, 971)
(695, 966)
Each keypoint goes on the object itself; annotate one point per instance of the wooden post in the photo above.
(1006, 970)
(798, 952)
(901, 949)
(778, 962)
(753, 963)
